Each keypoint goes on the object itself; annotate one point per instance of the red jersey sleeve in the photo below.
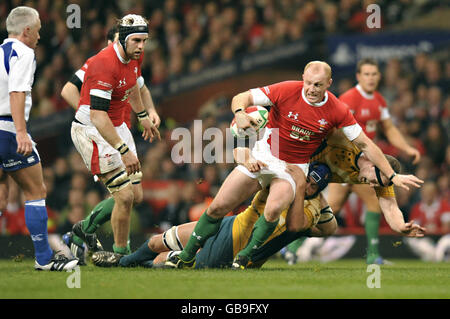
(282, 90)
(100, 80)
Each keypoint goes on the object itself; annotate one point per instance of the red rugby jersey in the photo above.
(368, 109)
(302, 126)
(107, 75)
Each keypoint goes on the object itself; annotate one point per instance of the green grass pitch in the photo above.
(343, 279)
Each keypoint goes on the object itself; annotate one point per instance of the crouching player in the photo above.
(235, 231)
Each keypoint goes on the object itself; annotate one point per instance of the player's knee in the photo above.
(124, 197)
(138, 197)
(153, 242)
(218, 209)
(273, 210)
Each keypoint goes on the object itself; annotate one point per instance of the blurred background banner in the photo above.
(344, 51)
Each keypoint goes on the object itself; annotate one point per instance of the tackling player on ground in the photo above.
(328, 167)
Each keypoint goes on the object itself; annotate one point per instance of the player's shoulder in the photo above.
(20, 48)
(107, 55)
(379, 98)
(350, 94)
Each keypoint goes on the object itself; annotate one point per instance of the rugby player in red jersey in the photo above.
(102, 211)
(302, 114)
(99, 131)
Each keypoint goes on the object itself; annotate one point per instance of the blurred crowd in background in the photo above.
(187, 36)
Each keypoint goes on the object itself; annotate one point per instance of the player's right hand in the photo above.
(403, 181)
(150, 130)
(245, 121)
(24, 144)
(131, 163)
(413, 230)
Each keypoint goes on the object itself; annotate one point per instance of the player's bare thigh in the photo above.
(236, 188)
(31, 181)
(280, 197)
(337, 195)
(368, 196)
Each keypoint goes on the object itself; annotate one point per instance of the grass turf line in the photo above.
(343, 279)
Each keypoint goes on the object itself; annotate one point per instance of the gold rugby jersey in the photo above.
(244, 222)
(342, 156)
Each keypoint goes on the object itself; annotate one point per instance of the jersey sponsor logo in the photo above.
(105, 84)
(300, 134)
(31, 159)
(292, 115)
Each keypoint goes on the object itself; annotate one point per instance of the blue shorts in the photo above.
(218, 250)
(10, 160)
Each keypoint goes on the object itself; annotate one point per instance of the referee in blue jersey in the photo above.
(19, 157)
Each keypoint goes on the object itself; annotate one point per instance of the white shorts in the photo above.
(98, 155)
(276, 168)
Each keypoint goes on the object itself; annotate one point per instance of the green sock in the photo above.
(206, 227)
(372, 225)
(295, 245)
(99, 215)
(77, 240)
(262, 230)
(122, 250)
(144, 253)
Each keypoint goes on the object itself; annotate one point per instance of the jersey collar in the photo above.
(364, 94)
(118, 54)
(315, 104)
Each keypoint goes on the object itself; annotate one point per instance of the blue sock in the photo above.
(36, 220)
(142, 254)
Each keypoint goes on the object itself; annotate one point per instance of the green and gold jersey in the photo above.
(342, 156)
(244, 222)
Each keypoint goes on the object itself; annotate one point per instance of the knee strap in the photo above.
(118, 182)
(171, 239)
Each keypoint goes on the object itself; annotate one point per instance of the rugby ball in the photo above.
(261, 116)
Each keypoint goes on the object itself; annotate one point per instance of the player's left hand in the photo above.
(296, 172)
(404, 180)
(150, 130)
(154, 117)
(412, 230)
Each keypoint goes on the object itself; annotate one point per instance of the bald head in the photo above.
(316, 81)
(318, 67)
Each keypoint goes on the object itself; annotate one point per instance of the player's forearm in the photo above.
(241, 101)
(17, 102)
(105, 127)
(396, 138)
(147, 99)
(392, 213)
(70, 94)
(135, 100)
(374, 154)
